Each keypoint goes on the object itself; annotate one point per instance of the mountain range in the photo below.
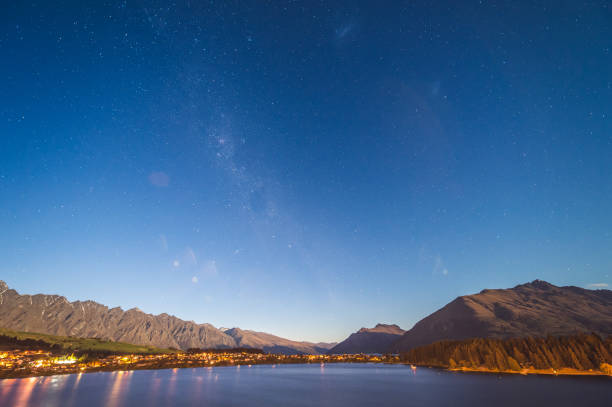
(54, 314)
(534, 309)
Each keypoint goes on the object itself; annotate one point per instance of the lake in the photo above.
(304, 385)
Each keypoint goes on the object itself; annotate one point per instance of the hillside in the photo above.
(534, 309)
(10, 340)
(369, 340)
(569, 354)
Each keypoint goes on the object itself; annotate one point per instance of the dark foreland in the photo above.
(580, 354)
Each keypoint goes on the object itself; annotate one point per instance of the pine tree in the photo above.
(513, 364)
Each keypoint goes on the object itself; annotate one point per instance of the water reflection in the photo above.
(172, 382)
(119, 386)
(198, 383)
(170, 387)
(24, 391)
(58, 384)
(74, 391)
(76, 382)
(154, 390)
(7, 386)
(286, 385)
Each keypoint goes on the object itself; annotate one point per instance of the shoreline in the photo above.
(540, 372)
(127, 368)
(133, 368)
(23, 364)
(522, 372)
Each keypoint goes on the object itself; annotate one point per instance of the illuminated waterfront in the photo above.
(27, 363)
(299, 385)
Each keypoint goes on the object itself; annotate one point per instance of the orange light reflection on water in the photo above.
(172, 383)
(154, 389)
(44, 383)
(120, 384)
(7, 386)
(77, 380)
(198, 383)
(24, 391)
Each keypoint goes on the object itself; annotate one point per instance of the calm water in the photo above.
(303, 385)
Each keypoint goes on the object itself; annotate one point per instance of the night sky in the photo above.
(303, 168)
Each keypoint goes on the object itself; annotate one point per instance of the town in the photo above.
(29, 363)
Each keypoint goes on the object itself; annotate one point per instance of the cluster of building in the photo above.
(25, 363)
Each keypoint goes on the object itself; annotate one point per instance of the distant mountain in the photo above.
(325, 345)
(274, 344)
(369, 340)
(534, 309)
(53, 314)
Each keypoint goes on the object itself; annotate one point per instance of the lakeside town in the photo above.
(30, 363)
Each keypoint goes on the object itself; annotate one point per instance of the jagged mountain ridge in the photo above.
(369, 340)
(533, 309)
(54, 314)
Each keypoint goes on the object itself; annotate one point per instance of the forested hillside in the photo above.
(580, 352)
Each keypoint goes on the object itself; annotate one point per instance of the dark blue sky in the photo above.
(303, 168)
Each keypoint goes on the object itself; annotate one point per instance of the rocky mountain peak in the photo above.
(384, 328)
(234, 331)
(391, 326)
(539, 285)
